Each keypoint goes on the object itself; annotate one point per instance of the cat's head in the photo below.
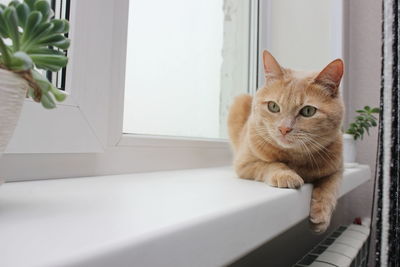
(298, 109)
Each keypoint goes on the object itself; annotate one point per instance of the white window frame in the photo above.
(83, 136)
(91, 97)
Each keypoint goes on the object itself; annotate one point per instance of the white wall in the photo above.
(363, 72)
(362, 84)
(301, 33)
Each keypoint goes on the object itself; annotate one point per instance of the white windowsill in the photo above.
(203, 217)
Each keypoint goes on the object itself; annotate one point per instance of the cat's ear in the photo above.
(272, 69)
(331, 75)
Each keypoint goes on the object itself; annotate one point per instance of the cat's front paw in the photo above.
(320, 216)
(285, 179)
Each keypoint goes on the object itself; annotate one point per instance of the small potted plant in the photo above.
(31, 42)
(363, 122)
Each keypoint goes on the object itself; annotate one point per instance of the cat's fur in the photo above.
(311, 152)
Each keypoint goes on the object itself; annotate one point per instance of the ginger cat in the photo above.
(289, 133)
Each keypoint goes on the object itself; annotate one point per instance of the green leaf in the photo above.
(23, 13)
(2, 7)
(43, 83)
(31, 24)
(64, 44)
(367, 129)
(20, 61)
(58, 94)
(44, 7)
(45, 51)
(60, 26)
(48, 87)
(3, 25)
(5, 53)
(10, 15)
(14, 3)
(31, 3)
(56, 40)
(40, 32)
(31, 93)
(375, 110)
(360, 117)
(49, 62)
(51, 39)
(47, 101)
(363, 122)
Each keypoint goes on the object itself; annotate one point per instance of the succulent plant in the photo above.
(31, 40)
(363, 122)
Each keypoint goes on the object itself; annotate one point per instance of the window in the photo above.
(87, 134)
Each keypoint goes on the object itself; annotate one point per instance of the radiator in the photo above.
(345, 247)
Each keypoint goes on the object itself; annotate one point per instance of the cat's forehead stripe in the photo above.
(302, 75)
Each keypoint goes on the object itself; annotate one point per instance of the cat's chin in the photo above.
(284, 143)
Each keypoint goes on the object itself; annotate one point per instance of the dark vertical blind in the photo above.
(61, 10)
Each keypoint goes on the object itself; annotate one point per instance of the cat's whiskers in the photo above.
(321, 150)
(260, 142)
(308, 137)
(325, 151)
(317, 136)
(318, 148)
(263, 132)
(263, 135)
(310, 155)
(302, 140)
(308, 144)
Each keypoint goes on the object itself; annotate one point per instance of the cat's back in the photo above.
(238, 116)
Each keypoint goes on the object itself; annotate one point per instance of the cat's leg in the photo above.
(276, 174)
(323, 201)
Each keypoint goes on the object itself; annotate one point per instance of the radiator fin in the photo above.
(347, 246)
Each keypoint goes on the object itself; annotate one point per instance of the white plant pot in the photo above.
(349, 149)
(12, 94)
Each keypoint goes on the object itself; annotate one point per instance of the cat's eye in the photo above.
(273, 107)
(308, 111)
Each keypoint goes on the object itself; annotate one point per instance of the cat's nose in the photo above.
(284, 130)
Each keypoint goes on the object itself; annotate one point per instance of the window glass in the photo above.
(185, 62)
